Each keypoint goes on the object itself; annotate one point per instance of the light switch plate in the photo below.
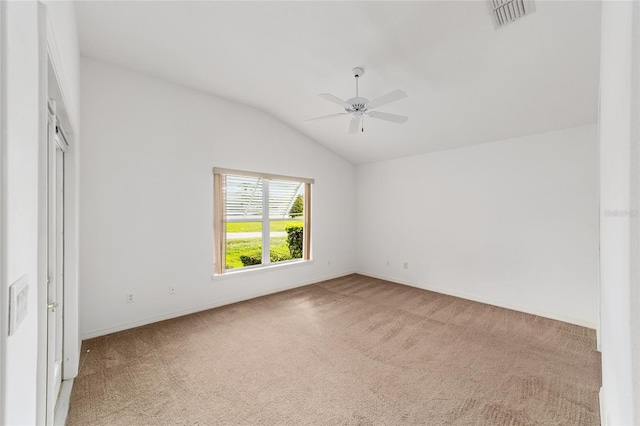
(18, 302)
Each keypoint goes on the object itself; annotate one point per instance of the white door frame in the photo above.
(3, 283)
(56, 148)
(52, 85)
(72, 341)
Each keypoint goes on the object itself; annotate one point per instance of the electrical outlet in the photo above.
(388, 263)
(405, 265)
(130, 298)
(172, 289)
(328, 262)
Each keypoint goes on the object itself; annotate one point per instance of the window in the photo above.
(260, 219)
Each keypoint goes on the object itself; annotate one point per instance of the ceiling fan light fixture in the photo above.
(357, 107)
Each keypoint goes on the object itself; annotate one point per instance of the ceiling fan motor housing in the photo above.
(357, 104)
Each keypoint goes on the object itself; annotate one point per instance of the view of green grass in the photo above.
(276, 226)
(238, 247)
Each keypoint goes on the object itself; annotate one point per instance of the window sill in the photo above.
(251, 271)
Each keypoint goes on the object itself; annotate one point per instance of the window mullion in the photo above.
(266, 255)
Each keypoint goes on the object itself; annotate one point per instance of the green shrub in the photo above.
(251, 259)
(294, 240)
(255, 258)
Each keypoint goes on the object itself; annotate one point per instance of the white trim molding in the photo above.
(3, 222)
(604, 420)
(222, 171)
(485, 300)
(205, 307)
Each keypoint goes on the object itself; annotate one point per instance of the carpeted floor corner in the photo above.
(353, 350)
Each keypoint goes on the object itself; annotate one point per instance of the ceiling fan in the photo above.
(358, 107)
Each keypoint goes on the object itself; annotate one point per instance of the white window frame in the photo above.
(220, 219)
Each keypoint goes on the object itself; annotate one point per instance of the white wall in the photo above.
(146, 197)
(24, 100)
(512, 223)
(620, 193)
(20, 202)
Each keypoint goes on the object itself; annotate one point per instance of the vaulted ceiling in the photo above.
(467, 82)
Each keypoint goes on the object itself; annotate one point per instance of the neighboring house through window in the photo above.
(260, 219)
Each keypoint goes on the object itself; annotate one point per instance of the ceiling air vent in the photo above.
(506, 11)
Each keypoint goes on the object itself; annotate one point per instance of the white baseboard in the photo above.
(218, 303)
(485, 300)
(212, 305)
(62, 404)
(603, 418)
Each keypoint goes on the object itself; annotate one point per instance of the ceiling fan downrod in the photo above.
(357, 72)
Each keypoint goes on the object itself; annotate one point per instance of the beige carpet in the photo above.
(353, 350)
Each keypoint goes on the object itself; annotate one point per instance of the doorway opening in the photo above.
(57, 145)
(58, 301)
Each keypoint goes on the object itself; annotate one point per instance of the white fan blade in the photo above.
(389, 117)
(324, 117)
(335, 100)
(354, 125)
(396, 95)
